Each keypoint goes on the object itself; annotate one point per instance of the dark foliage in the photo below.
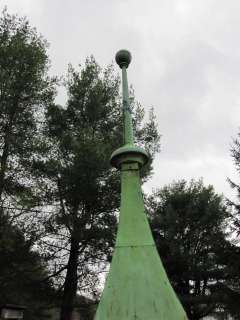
(25, 90)
(22, 273)
(190, 223)
(235, 152)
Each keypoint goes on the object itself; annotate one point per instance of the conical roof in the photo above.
(137, 286)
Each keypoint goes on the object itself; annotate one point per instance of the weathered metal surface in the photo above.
(129, 153)
(137, 286)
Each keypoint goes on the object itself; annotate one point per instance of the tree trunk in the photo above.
(3, 168)
(70, 284)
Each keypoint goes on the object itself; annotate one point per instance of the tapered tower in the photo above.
(137, 287)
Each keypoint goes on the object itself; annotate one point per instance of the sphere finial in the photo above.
(123, 58)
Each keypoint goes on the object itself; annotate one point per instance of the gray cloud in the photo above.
(186, 63)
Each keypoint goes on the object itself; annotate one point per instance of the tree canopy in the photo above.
(189, 224)
(25, 89)
(235, 152)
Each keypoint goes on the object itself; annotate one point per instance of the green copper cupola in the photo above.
(137, 287)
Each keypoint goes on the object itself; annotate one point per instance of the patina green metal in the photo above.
(137, 286)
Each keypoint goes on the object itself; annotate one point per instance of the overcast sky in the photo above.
(186, 63)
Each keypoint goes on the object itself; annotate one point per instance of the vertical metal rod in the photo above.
(127, 115)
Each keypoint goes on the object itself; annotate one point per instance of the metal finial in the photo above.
(129, 152)
(137, 286)
(123, 58)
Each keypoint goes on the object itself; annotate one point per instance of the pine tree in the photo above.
(25, 89)
(190, 225)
